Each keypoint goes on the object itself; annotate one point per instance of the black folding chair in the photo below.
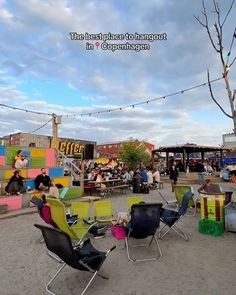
(83, 257)
(171, 218)
(144, 222)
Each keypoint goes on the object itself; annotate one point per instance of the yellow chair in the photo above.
(82, 209)
(103, 211)
(76, 231)
(134, 200)
(180, 190)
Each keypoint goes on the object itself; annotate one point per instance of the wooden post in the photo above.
(184, 160)
(82, 177)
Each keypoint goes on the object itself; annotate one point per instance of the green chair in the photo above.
(78, 231)
(103, 211)
(134, 200)
(82, 209)
(69, 193)
(180, 190)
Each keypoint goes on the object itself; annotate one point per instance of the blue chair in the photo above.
(171, 218)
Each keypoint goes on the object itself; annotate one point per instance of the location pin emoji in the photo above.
(97, 44)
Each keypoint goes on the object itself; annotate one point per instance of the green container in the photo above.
(37, 162)
(10, 154)
(210, 227)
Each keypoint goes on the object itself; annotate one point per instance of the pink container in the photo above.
(32, 173)
(118, 232)
(2, 160)
(50, 158)
(13, 202)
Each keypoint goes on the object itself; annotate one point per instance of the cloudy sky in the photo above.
(43, 70)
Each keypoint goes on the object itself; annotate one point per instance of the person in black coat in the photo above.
(174, 173)
(15, 184)
(42, 181)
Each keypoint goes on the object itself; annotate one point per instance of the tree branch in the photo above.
(212, 96)
(206, 25)
(228, 12)
(232, 61)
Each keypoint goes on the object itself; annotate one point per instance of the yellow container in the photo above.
(65, 181)
(212, 206)
(37, 153)
(9, 173)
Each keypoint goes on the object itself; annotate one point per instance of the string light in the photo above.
(150, 100)
(118, 108)
(24, 110)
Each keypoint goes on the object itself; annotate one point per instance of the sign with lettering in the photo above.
(71, 148)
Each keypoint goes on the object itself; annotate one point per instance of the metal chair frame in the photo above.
(176, 219)
(153, 236)
(78, 262)
(175, 228)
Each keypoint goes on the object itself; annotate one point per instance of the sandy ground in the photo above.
(203, 265)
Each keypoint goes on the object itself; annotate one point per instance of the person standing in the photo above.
(156, 177)
(42, 181)
(173, 175)
(149, 177)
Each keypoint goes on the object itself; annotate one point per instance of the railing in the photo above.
(72, 168)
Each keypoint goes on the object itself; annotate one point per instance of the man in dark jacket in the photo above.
(15, 184)
(42, 181)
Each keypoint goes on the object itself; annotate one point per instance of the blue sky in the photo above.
(43, 70)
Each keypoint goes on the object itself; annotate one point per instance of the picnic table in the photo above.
(111, 186)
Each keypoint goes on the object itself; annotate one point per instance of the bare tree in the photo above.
(216, 40)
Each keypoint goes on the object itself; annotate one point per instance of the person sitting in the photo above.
(99, 181)
(20, 161)
(53, 191)
(15, 184)
(209, 187)
(136, 182)
(143, 174)
(42, 181)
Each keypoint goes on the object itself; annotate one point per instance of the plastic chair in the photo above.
(82, 209)
(76, 231)
(84, 257)
(103, 211)
(171, 218)
(134, 200)
(144, 222)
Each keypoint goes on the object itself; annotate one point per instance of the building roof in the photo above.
(189, 148)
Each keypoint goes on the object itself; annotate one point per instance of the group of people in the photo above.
(42, 183)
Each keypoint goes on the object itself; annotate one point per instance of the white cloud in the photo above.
(36, 44)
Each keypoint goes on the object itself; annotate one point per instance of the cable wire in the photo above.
(40, 127)
(114, 109)
(24, 110)
(142, 102)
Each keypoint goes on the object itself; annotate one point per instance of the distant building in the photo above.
(111, 150)
(68, 146)
(229, 140)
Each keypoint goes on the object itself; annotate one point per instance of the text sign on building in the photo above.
(70, 148)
